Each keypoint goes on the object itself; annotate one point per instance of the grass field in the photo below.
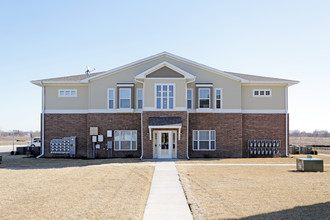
(257, 192)
(94, 192)
(22, 161)
(309, 140)
(118, 188)
(19, 141)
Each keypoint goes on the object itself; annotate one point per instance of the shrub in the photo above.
(12, 152)
(314, 152)
(298, 152)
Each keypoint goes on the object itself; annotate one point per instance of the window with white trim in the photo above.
(125, 140)
(111, 98)
(67, 93)
(125, 97)
(189, 98)
(165, 96)
(218, 98)
(204, 97)
(139, 98)
(262, 93)
(203, 140)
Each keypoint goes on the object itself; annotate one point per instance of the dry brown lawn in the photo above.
(282, 160)
(23, 161)
(92, 192)
(309, 140)
(18, 141)
(258, 192)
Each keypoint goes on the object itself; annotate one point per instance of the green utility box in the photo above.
(309, 164)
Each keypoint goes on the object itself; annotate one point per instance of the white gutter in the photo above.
(141, 157)
(42, 122)
(286, 122)
(188, 135)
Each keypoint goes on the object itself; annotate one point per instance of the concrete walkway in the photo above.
(166, 199)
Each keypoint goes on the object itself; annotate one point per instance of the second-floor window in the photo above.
(67, 93)
(189, 99)
(139, 98)
(111, 98)
(125, 97)
(218, 98)
(164, 96)
(204, 97)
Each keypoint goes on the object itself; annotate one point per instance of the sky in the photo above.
(287, 39)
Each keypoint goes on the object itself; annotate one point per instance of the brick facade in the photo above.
(233, 130)
(264, 126)
(58, 126)
(115, 121)
(147, 143)
(228, 129)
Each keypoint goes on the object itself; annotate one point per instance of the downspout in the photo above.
(42, 122)
(188, 135)
(286, 122)
(141, 136)
(141, 157)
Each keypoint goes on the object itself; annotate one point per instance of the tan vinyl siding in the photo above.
(53, 102)
(231, 89)
(99, 87)
(275, 102)
(180, 91)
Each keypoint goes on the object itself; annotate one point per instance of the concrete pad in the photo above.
(166, 199)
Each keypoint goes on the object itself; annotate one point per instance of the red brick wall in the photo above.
(228, 129)
(114, 121)
(147, 143)
(264, 126)
(65, 125)
(232, 131)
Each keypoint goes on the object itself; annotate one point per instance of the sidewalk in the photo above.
(166, 199)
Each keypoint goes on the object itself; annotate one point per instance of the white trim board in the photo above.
(85, 111)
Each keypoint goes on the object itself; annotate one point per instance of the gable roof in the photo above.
(244, 78)
(168, 65)
(262, 79)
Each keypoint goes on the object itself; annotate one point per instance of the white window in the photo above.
(204, 97)
(203, 140)
(125, 97)
(139, 98)
(262, 93)
(165, 96)
(189, 99)
(218, 98)
(125, 140)
(67, 93)
(111, 98)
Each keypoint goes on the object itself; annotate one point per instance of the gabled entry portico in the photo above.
(165, 133)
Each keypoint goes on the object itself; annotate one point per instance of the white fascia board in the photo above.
(270, 83)
(129, 65)
(264, 111)
(66, 111)
(204, 85)
(202, 66)
(125, 84)
(166, 126)
(144, 74)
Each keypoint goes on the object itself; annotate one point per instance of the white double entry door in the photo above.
(165, 144)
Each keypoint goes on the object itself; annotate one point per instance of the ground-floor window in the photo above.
(203, 140)
(125, 140)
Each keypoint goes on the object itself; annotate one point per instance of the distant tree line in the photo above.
(316, 133)
(19, 133)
